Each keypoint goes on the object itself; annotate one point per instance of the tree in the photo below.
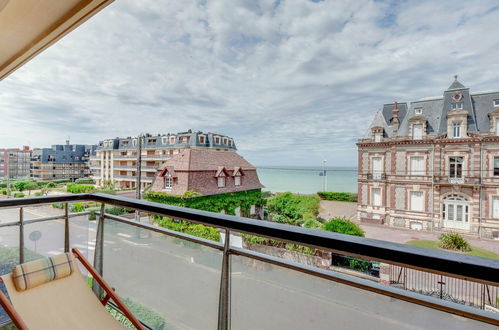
(31, 186)
(20, 185)
(343, 226)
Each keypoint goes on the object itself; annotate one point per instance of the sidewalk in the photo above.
(332, 209)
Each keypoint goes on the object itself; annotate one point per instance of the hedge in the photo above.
(343, 226)
(85, 181)
(80, 188)
(338, 196)
(186, 227)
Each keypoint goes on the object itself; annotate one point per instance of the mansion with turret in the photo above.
(433, 164)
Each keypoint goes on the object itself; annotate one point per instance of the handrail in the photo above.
(446, 263)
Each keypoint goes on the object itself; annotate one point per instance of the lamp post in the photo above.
(324, 181)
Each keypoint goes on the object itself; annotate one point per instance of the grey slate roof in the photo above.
(435, 111)
(162, 141)
(67, 153)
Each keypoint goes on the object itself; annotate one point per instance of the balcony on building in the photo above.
(196, 283)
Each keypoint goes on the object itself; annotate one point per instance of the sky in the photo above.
(294, 82)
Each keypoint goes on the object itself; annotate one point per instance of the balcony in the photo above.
(201, 284)
(376, 176)
(464, 180)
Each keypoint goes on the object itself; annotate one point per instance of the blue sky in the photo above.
(293, 82)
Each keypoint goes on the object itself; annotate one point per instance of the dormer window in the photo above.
(134, 142)
(202, 139)
(217, 140)
(163, 140)
(496, 103)
(221, 180)
(456, 106)
(168, 181)
(456, 130)
(417, 131)
(172, 140)
(377, 137)
(226, 141)
(418, 111)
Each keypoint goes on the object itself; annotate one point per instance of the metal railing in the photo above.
(479, 270)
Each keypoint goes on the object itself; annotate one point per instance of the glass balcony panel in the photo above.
(43, 239)
(9, 246)
(178, 279)
(265, 296)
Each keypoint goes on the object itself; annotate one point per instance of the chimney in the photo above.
(395, 120)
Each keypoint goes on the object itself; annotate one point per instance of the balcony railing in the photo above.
(203, 284)
(376, 176)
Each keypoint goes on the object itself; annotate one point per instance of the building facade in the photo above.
(205, 171)
(116, 159)
(433, 164)
(60, 162)
(15, 163)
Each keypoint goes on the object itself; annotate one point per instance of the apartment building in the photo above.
(116, 159)
(433, 164)
(68, 161)
(15, 163)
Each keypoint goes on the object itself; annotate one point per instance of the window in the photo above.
(417, 165)
(376, 198)
(417, 131)
(456, 106)
(495, 207)
(202, 139)
(416, 201)
(134, 142)
(168, 182)
(377, 168)
(497, 126)
(237, 179)
(172, 140)
(226, 142)
(496, 166)
(221, 180)
(496, 103)
(418, 111)
(456, 130)
(377, 137)
(456, 167)
(217, 140)
(163, 140)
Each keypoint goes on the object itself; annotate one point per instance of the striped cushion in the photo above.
(34, 273)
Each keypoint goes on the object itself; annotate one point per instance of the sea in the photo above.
(307, 180)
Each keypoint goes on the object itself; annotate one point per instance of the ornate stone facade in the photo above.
(433, 164)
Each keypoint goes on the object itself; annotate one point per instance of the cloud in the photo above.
(293, 82)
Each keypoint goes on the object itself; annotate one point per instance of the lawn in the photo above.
(474, 250)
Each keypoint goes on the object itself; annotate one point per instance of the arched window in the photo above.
(455, 212)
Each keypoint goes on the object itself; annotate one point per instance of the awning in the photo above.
(27, 27)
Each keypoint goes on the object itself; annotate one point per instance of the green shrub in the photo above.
(77, 207)
(51, 185)
(79, 188)
(21, 185)
(189, 228)
(296, 208)
(312, 223)
(115, 210)
(454, 241)
(18, 195)
(343, 226)
(39, 193)
(338, 196)
(4, 191)
(92, 215)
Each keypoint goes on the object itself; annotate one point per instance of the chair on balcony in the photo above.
(51, 293)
